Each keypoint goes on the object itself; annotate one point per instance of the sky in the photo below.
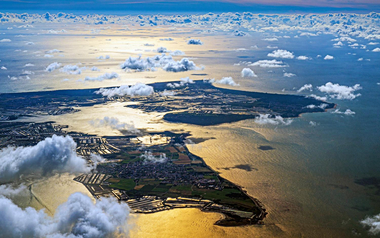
(280, 6)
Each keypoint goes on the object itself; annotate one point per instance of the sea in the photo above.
(315, 180)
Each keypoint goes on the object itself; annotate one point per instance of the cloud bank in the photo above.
(55, 154)
(79, 217)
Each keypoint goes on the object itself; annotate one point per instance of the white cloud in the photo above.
(48, 56)
(94, 68)
(167, 39)
(281, 54)
(225, 80)
(179, 66)
(305, 87)
(177, 52)
(162, 50)
(150, 158)
(183, 82)
(268, 119)
(194, 42)
(164, 61)
(72, 69)
(55, 154)
(373, 223)
(289, 75)
(338, 45)
(79, 217)
(53, 66)
(271, 39)
(312, 123)
(105, 76)
(302, 57)
(5, 40)
(247, 72)
(167, 93)
(28, 65)
(340, 91)
(138, 89)
(376, 50)
(52, 51)
(103, 57)
(3, 68)
(328, 57)
(347, 112)
(8, 190)
(114, 123)
(269, 64)
(317, 97)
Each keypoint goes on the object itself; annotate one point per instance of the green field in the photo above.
(124, 184)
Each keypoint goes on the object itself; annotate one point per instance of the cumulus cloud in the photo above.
(9, 190)
(103, 57)
(167, 93)
(373, 223)
(268, 119)
(312, 123)
(5, 40)
(194, 42)
(167, 39)
(317, 97)
(138, 89)
(52, 51)
(105, 76)
(376, 50)
(79, 217)
(182, 82)
(29, 65)
(269, 64)
(281, 54)
(338, 45)
(177, 52)
(271, 39)
(72, 69)
(162, 50)
(165, 61)
(139, 64)
(179, 66)
(54, 154)
(340, 91)
(53, 66)
(328, 57)
(150, 158)
(302, 57)
(348, 112)
(247, 72)
(289, 75)
(305, 87)
(114, 123)
(225, 80)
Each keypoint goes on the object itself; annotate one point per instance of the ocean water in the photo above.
(307, 182)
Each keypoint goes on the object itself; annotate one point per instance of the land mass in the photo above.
(161, 174)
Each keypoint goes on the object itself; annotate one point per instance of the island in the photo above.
(155, 171)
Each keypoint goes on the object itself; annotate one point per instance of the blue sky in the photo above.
(280, 6)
